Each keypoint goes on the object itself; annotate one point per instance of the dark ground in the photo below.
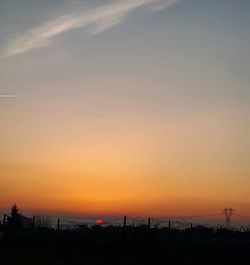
(114, 245)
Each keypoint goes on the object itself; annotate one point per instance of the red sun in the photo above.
(99, 222)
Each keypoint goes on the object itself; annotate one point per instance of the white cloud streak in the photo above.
(9, 96)
(98, 19)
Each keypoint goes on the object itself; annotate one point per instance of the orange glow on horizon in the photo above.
(165, 171)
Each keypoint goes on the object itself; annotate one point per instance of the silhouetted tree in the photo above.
(14, 211)
(15, 218)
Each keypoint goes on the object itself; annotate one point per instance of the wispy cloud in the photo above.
(9, 96)
(98, 19)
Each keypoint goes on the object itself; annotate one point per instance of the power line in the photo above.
(193, 216)
(242, 215)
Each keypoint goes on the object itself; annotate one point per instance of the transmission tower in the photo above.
(228, 214)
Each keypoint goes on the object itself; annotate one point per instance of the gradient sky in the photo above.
(125, 106)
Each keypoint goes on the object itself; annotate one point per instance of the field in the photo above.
(129, 245)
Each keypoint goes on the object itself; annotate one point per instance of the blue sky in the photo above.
(198, 38)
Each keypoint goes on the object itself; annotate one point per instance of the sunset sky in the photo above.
(125, 106)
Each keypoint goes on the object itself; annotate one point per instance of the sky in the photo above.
(118, 106)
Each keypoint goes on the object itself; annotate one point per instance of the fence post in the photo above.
(33, 222)
(124, 221)
(58, 224)
(149, 224)
(4, 220)
(124, 229)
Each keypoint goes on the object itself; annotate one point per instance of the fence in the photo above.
(76, 223)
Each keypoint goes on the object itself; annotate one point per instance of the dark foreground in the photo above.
(133, 245)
